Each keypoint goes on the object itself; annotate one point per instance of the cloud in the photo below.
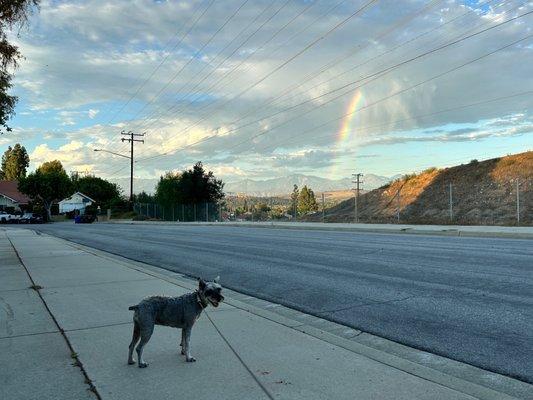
(84, 60)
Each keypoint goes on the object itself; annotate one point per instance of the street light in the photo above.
(110, 152)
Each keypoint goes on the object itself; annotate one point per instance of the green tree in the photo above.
(168, 189)
(294, 201)
(46, 185)
(15, 162)
(101, 191)
(307, 201)
(12, 13)
(143, 197)
(192, 186)
(51, 166)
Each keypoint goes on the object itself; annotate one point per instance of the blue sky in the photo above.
(85, 61)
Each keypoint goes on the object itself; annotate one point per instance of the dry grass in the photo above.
(483, 193)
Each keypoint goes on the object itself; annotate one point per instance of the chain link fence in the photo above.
(439, 202)
(200, 212)
(496, 203)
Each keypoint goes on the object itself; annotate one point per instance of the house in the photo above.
(78, 201)
(11, 197)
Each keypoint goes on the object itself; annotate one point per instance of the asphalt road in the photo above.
(469, 299)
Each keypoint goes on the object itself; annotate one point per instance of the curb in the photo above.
(410, 230)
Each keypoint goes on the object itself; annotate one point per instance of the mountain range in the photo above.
(271, 187)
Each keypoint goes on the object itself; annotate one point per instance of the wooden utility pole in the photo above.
(131, 139)
(357, 181)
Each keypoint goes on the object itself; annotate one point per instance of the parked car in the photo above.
(15, 217)
(31, 218)
(4, 217)
(84, 219)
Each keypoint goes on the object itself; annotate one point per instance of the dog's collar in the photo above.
(201, 302)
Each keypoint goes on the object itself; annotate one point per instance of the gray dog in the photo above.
(177, 312)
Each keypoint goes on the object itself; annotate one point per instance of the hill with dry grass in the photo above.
(481, 193)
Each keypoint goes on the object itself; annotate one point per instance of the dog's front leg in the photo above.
(188, 357)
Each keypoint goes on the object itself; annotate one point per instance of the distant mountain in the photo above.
(283, 185)
(268, 187)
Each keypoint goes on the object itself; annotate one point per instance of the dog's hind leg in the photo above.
(182, 344)
(187, 343)
(146, 333)
(134, 340)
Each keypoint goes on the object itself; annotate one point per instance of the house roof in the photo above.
(10, 190)
(79, 193)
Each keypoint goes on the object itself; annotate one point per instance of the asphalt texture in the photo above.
(468, 299)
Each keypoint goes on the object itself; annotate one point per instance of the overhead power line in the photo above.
(174, 77)
(329, 65)
(243, 43)
(374, 75)
(289, 60)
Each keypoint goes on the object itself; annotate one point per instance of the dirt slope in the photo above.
(482, 193)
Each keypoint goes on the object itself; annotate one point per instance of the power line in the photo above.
(328, 66)
(197, 93)
(395, 122)
(395, 93)
(371, 77)
(250, 36)
(293, 57)
(374, 75)
(149, 77)
(211, 38)
(250, 54)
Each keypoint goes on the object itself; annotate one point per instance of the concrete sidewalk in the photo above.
(77, 313)
(518, 232)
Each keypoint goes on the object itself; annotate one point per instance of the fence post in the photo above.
(194, 212)
(451, 203)
(517, 202)
(173, 208)
(206, 212)
(220, 212)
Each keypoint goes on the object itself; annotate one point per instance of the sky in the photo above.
(258, 89)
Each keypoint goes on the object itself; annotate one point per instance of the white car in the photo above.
(4, 217)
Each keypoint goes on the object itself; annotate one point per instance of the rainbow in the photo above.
(345, 130)
(346, 124)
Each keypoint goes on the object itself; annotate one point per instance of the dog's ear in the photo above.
(201, 283)
(216, 279)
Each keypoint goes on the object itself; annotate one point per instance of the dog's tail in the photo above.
(133, 307)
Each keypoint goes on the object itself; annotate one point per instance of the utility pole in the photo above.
(357, 181)
(131, 139)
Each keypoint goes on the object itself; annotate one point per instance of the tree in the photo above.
(46, 185)
(294, 201)
(143, 197)
(168, 190)
(12, 12)
(15, 162)
(101, 191)
(51, 166)
(192, 186)
(307, 201)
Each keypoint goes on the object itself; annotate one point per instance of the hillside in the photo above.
(482, 193)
